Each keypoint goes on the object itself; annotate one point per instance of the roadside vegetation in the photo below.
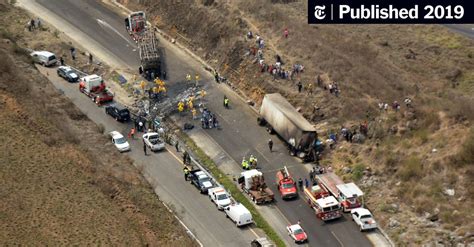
(232, 188)
(416, 164)
(62, 182)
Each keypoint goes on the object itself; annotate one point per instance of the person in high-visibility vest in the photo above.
(190, 104)
(180, 106)
(226, 102)
(253, 161)
(188, 77)
(203, 93)
(186, 173)
(197, 77)
(193, 111)
(245, 164)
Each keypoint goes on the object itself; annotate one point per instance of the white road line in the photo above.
(107, 25)
(338, 240)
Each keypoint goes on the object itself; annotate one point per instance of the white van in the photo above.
(239, 214)
(44, 58)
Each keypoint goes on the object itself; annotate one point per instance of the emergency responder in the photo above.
(300, 183)
(253, 161)
(188, 77)
(226, 102)
(270, 144)
(245, 164)
(186, 173)
(185, 157)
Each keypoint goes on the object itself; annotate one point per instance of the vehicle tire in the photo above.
(292, 152)
(361, 230)
(227, 216)
(261, 121)
(116, 119)
(97, 101)
(270, 130)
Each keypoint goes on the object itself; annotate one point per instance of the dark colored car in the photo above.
(120, 113)
(68, 74)
(201, 180)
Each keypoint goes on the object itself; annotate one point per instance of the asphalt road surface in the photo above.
(164, 170)
(464, 29)
(241, 136)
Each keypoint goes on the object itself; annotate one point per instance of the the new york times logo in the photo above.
(319, 12)
(390, 11)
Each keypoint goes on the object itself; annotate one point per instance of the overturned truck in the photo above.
(279, 116)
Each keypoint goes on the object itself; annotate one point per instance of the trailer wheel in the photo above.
(261, 121)
(270, 130)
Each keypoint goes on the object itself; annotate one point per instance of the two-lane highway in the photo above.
(164, 172)
(240, 135)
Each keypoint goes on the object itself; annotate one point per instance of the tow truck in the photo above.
(253, 183)
(94, 87)
(286, 185)
(347, 194)
(325, 206)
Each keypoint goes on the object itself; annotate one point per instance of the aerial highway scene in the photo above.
(236, 123)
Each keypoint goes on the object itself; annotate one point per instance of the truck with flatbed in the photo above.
(348, 194)
(94, 87)
(279, 116)
(150, 55)
(285, 184)
(253, 183)
(325, 206)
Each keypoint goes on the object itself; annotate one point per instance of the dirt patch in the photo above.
(57, 188)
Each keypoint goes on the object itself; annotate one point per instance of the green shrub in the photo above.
(357, 172)
(411, 169)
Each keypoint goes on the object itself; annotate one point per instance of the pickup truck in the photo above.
(201, 180)
(220, 197)
(154, 141)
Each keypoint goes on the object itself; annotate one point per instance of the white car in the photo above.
(220, 197)
(154, 141)
(363, 218)
(297, 233)
(119, 141)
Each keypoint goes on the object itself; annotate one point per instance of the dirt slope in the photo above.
(412, 159)
(61, 181)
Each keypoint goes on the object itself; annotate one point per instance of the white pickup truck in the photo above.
(154, 141)
(220, 197)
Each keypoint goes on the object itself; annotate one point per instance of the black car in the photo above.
(68, 74)
(120, 113)
(201, 180)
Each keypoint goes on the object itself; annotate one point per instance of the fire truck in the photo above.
(286, 185)
(136, 25)
(348, 195)
(325, 206)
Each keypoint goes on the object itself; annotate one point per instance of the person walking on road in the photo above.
(186, 173)
(144, 148)
(131, 134)
(226, 102)
(73, 53)
(61, 60)
(176, 145)
(270, 145)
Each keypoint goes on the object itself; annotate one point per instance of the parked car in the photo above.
(119, 112)
(154, 141)
(220, 197)
(239, 214)
(44, 58)
(363, 218)
(119, 141)
(201, 180)
(297, 233)
(68, 74)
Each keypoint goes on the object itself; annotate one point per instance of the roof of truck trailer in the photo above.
(289, 111)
